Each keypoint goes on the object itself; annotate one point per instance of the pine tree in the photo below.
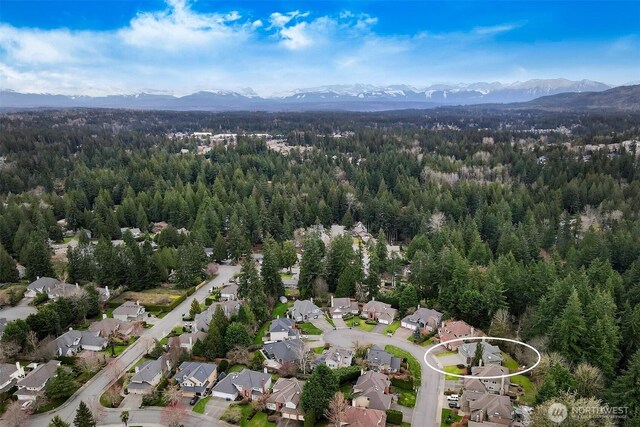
(568, 334)
(248, 277)
(57, 422)
(219, 320)
(408, 299)
(37, 257)
(318, 390)
(84, 417)
(381, 251)
(626, 392)
(195, 309)
(8, 272)
(311, 266)
(219, 249)
(289, 255)
(477, 356)
(270, 272)
(61, 385)
(347, 282)
(236, 336)
(339, 257)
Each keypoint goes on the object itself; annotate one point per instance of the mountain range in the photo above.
(359, 97)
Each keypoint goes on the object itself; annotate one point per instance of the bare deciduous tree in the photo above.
(172, 395)
(15, 416)
(9, 350)
(112, 395)
(335, 409)
(238, 355)
(287, 369)
(174, 415)
(589, 381)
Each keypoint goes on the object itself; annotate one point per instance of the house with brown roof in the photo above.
(285, 398)
(372, 390)
(486, 384)
(489, 410)
(246, 384)
(341, 307)
(108, 326)
(379, 311)
(455, 329)
(363, 417)
(424, 319)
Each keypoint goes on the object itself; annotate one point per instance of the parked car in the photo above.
(454, 405)
(453, 398)
(194, 400)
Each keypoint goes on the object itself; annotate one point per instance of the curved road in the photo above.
(430, 400)
(90, 392)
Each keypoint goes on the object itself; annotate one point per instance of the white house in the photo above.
(341, 307)
(246, 384)
(9, 374)
(129, 311)
(42, 284)
(285, 398)
(32, 385)
(148, 375)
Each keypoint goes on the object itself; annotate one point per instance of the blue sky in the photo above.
(182, 46)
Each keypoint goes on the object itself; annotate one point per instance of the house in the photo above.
(486, 384)
(424, 319)
(135, 232)
(372, 390)
(196, 378)
(304, 310)
(186, 341)
(9, 375)
(379, 360)
(246, 384)
(202, 320)
(280, 352)
(73, 341)
(282, 329)
(379, 311)
(108, 326)
(336, 358)
(42, 284)
(360, 231)
(455, 329)
(491, 354)
(488, 410)
(285, 398)
(341, 307)
(148, 375)
(32, 385)
(363, 417)
(129, 311)
(229, 292)
(63, 290)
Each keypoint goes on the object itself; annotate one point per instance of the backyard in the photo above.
(414, 365)
(156, 296)
(448, 417)
(406, 397)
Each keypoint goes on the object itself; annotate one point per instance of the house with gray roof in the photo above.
(488, 410)
(246, 384)
(202, 320)
(285, 399)
(187, 341)
(42, 284)
(491, 354)
(280, 352)
(372, 390)
(129, 311)
(282, 329)
(148, 375)
(379, 360)
(32, 385)
(336, 358)
(109, 326)
(196, 378)
(379, 311)
(229, 292)
(9, 375)
(73, 341)
(341, 307)
(424, 319)
(304, 310)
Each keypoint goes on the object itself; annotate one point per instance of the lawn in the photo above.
(509, 362)
(259, 420)
(309, 329)
(453, 369)
(365, 326)
(446, 353)
(16, 288)
(286, 275)
(279, 310)
(330, 320)
(235, 411)
(155, 296)
(261, 332)
(200, 406)
(291, 292)
(414, 365)
(118, 349)
(346, 389)
(448, 413)
(52, 404)
(406, 397)
(236, 368)
(392, 327)
(530, 391)
(318, 350)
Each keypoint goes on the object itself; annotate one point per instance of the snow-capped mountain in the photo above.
(358, 97)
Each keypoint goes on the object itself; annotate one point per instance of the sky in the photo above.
(81, 47)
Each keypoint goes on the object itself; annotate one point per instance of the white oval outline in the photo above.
(440, 371)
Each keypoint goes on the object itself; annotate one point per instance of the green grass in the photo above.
(346, 389)
(318, 350)
(245, 411)
(259, 420)
(279, 310)
(261, 332)
(330, 320)
(453, 369)
(414, 365)
(406, 397)
(509, 362)
(200, 406)
(445, 413)
(365, 326)
(309, 329)
(236, 368)
(530, 391)
(392, 327)
(69, 239)
(286, 275)
(446, 353)
(291, 292)
(53, 404)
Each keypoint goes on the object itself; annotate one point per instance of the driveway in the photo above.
(402, 333)
(216, 407)
(131, 401)
(322, 324)
(430, 398)
(91, 391)
(407, 413)
(450, 359)
(340, 323)
(20, 311)
(379, 328)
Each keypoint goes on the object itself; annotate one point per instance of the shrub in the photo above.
(404, 384)
(310, 418)
(223, 365)
(344, 375)
(371, 322)
(40, 298)
(232, 415)
(394, 417)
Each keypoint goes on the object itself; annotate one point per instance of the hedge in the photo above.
(404, 384)
(309, 418)
(394, 417)
(349, 373)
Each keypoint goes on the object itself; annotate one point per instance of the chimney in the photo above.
(331, 300)
(37, 277)
(106, 291)
(265, 370)
(137, 369)
(190, 341)
(373, 298)
(278, 316)
(138, 302)
(77, 286)
(472, 331)
(311, 300)
(19, 369)
(104, 315)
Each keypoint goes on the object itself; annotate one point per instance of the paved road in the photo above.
(20, 311)
(92, 390)
(428, 409)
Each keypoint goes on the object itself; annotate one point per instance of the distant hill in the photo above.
(622, 98)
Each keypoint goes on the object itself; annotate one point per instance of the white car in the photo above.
(453, 397)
